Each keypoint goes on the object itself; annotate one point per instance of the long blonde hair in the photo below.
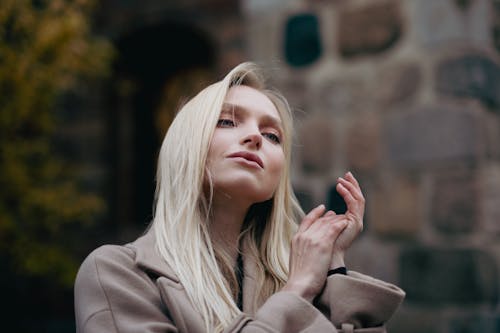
(182, 207)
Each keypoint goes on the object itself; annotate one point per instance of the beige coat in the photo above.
(131, 289)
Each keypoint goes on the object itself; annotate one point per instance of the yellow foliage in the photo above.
(44, 51)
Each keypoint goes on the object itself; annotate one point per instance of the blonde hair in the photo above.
(182, 208)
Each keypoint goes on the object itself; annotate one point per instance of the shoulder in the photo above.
(106, 259)
(139, 259)
(122, 253)
(108, 280)
(103, 270)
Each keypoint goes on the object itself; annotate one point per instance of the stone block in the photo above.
(263, 39)
(484, 323)
(490, 198)
(395, 208)
(415, 320)
(492, 136)
(302, 40)
(374, 257)
(432, 134)
(496, 24)
(363, 143)
(316, 145)
(342, 96)
(295, 90)
(262, 7)
(401, 84)
(369, 29)
(445, 21)
(473, 75)
(434, 276)
(455, 201)
(305, 198)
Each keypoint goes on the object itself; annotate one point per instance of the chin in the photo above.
(260, 199)
(250, 192)
(255, 196)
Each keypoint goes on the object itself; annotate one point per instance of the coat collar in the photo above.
(148, 257)
(249, 281)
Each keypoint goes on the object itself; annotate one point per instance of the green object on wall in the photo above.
(302, 40)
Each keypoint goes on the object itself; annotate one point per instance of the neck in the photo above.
(227, 219)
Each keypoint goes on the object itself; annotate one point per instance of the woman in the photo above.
(224, 252)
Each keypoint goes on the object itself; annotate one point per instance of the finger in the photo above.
(336, 219)
(327, 228)
(351, 178)
(346, 195)
(312, 216)
(354, 189)
(354, 207)
(324, 222)
(351, 183)
(320, 226)
(329, 213)
(336, 228)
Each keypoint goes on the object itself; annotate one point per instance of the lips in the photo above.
(248, 156)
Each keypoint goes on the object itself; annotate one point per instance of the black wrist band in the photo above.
(339, 270)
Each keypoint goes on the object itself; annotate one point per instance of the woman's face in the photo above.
(246, 157)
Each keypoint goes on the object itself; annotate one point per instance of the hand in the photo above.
(350, 191)
(311, 252)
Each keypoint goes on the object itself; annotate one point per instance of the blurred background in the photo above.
(404, 93)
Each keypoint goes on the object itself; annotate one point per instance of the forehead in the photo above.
(251, 100)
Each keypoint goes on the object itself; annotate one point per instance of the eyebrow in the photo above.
(238, 109)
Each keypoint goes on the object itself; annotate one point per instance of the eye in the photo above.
(226, 123)
(272, 137)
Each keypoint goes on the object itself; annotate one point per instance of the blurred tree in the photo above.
(46, 49)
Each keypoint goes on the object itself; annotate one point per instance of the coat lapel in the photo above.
(171, 290)
(172, 293)
(148, 258)
(249, 281)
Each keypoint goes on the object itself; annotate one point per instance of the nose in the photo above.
(252, 139)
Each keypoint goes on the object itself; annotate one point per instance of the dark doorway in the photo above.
(151, 62)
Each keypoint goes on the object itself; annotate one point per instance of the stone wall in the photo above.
(406, 95)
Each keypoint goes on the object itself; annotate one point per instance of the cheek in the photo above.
(278, 166)
(211, 162)
(278, 162)
(212, 148)
(217, 146)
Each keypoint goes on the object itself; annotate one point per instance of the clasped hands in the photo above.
(322, 239)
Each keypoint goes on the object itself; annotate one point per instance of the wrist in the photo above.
(337, 260)
(303, 291)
